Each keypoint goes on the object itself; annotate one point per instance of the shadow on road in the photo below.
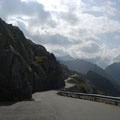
(6, 103)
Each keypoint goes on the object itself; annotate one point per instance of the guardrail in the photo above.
(95, 97)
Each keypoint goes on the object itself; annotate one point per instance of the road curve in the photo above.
(66, 108)
(50, 106)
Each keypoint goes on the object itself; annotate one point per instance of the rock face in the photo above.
(25, 67)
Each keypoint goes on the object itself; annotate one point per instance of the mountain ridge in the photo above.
(83, 67)
(114, 71)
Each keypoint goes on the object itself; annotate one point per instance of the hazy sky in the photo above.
(80, 28)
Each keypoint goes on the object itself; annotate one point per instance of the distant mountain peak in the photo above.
(83, 66)
(65, 58)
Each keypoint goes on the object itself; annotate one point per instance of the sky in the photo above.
(85, 29)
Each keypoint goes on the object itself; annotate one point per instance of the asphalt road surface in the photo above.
(50, 106)
(66, 108)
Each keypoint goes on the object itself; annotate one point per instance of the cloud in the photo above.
(90, 47)
(18, 9)
(107, 8)
(117, 37)
(69, 17)
(56, 39)
(83, 29)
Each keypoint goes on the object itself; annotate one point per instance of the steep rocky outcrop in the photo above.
(25, 67)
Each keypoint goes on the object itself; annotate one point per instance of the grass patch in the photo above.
(31, 99)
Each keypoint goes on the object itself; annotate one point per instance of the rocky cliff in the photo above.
(25, 67)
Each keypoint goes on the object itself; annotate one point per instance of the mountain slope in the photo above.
(80, 84)
(92, 83)
(83, 66)
(114, 71)
(102, 84)
(26, 67)
(65, 58)
(98, 61)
